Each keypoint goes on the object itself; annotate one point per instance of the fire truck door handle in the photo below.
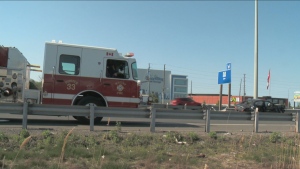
(53, 71)
(106, 84)
(60, 80)
(100, 76)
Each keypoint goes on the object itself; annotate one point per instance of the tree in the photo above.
(154, 97)
(35, 85)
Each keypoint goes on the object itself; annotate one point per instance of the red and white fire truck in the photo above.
(84, 75)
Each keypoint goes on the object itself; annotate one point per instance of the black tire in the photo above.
(263, 109)
(282, 110)
(86, 101)
(279, 110)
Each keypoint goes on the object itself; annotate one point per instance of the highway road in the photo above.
(143, 125)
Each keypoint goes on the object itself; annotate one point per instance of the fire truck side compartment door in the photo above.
(67, 70)
(49, 70)
(92, 62)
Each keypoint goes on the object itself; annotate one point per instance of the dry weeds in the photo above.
(21, 147)
(64, 146)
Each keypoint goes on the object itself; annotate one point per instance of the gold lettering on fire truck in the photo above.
(120, 87)
(71, 84)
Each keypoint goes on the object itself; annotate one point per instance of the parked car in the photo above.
(186, 100)
(262, 105)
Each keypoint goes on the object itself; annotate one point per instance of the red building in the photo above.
(213, 99)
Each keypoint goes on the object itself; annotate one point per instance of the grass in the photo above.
(116, 149)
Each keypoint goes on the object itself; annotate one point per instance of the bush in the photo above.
(213, 135)
(24, 133)
(275, 137)
(193, 137)
(172, 136)
(118, 126)
(113, 135)
(3, 137)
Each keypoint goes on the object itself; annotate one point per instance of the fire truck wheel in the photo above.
(87, 101)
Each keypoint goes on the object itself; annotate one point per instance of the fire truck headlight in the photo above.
(7, 92)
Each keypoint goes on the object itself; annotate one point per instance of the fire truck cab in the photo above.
(84, 75)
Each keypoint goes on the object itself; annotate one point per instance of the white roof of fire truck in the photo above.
(90, 47)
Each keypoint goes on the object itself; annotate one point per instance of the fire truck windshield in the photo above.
(134, 71)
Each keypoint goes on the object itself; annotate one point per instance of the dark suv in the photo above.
(262, 105)
(185, 100)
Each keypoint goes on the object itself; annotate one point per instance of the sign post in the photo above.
(229, 85)
(225, 77)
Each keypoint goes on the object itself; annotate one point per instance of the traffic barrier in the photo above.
(152, 113)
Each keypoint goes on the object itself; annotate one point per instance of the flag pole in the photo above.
(270, 82)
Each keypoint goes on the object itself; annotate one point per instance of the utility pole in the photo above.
(288, 98)
(191, 87)
(149, 80)
(255, 90)
(240, 90)
(244, 87)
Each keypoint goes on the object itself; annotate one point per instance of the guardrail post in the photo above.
(256, 120)
(92, 117)
(152, 124)
(167, 105)
(207, 122)
(297, 122)
(25, 112)
(184, 107)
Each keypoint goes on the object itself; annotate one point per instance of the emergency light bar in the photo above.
(129, 54)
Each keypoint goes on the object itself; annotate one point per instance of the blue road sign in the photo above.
(224, 77)
(228, 66)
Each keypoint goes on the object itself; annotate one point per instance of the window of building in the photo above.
(180, 89)
(179, 95)
(180, 82)
(69, 64)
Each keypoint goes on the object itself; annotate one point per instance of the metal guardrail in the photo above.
(152, 112)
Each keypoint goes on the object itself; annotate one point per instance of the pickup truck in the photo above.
(262, 105)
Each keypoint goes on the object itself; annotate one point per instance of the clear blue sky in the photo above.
(193, 38)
